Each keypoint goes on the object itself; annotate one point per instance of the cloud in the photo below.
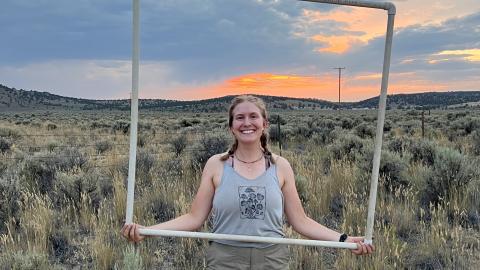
(97, 79)
(65, 46)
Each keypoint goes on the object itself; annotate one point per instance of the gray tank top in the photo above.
(248, 207)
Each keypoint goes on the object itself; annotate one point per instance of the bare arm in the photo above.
(303, 224)
(294, 211)
(199, 210)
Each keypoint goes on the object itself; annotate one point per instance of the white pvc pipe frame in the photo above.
(213, 236)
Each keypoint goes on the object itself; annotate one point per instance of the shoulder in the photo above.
(281, 162)
(284, 170)
(215, 161)
(213, 169)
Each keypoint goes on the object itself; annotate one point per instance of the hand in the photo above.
(362, 248)
(131, 232)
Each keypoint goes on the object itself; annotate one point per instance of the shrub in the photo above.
(36, 175)
(346, 147)
(275, 118)
(103, 146)
(302, 131)
(476, 142)
(392, 168)
(5, 145)
(348, 123)
(141, 140)
(145, 162)
(10, 133)
(69, 188)
(364, 130)
(3, 167)
(178, 144)
(24, 260)
(69, 159)
(121, 126)
(451, 171)
(161, 209)
(9, 201)
(51, 126)
(398, 145)
(423, 151)
(207, 147)
(387, 125)
(274, 135)
(472, 207)
(96, 124)
(302, 188)
(51, 146)
(61, 247)
(409, 126)
(466, 125)
(173, 167)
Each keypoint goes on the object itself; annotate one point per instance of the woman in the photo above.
(247, 190)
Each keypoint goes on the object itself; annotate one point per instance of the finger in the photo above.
(364, 249)
(369, 249)
(357, 251)
(132, 233)
(125, 231)
(137, 234)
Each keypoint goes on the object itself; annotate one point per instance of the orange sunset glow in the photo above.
(322, 87)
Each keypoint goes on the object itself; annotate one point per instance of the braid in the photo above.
(264, 142)
(230, 152)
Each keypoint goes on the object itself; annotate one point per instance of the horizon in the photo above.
(261, 95)
(276, 48)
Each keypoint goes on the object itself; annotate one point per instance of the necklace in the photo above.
(249, 162)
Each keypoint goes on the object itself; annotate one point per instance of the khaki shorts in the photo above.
(221, 256)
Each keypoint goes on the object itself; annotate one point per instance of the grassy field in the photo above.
(63, 186)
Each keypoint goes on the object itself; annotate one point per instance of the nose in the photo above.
(246, 121)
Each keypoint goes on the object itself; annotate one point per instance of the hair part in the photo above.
(263, 139)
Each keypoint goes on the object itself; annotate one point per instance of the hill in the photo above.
(426, 100)
(12, 99)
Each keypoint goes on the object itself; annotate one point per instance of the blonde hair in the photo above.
(263, 111)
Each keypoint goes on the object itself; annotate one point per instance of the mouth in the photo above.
(248, 131)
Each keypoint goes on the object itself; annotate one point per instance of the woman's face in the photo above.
(248, 123)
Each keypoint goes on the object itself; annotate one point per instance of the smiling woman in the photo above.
(248, 190)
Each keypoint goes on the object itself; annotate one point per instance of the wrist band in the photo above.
(343, 237)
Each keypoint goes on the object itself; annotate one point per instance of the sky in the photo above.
(198, 49)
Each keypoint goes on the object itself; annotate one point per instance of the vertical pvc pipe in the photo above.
(379, 135)
(134, 113)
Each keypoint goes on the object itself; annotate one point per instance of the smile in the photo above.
(247, 131)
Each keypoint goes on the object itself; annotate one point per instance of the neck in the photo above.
(249, 152)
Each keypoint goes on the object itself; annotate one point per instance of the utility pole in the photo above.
(339, 78)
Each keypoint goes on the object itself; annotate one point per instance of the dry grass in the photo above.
(45, 232)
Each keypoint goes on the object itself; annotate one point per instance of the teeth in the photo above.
(247, 131)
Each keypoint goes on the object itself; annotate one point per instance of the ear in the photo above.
(265, 123)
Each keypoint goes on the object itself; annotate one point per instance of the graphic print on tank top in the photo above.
(252, 202)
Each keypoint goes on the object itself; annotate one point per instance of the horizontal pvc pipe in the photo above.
(247, 238)
(357, 3)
